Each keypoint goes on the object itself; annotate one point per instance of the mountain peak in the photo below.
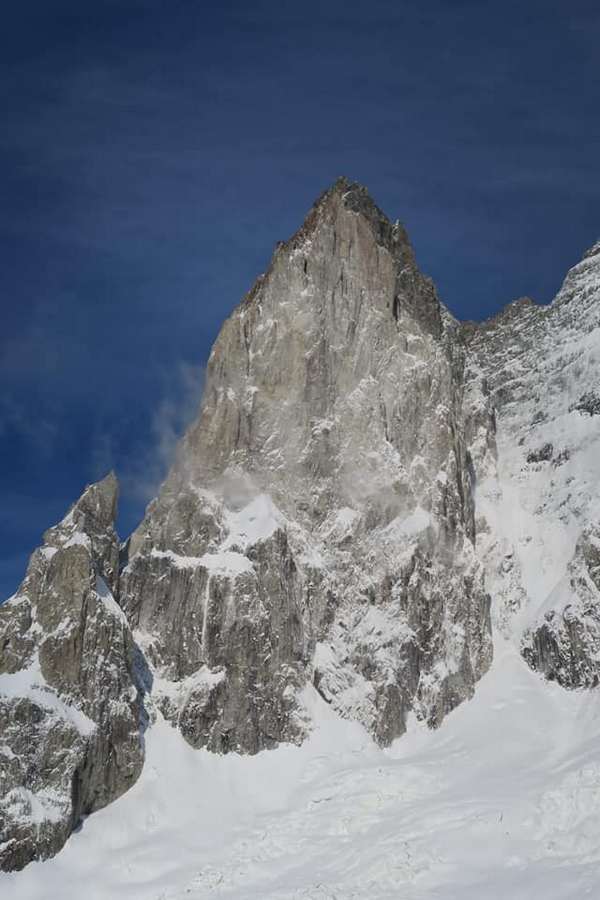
(594, 250)
(354, 197)
(98, 502)
(582, 280)
(338, 527)
(351, 192)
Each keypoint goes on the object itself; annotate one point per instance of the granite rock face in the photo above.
(318, 526)
(537, 368)
(70, 700)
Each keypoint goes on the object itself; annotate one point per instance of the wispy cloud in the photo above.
(27, 424)
(178, 407)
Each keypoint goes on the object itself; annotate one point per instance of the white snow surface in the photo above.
(546, 360)
(255, 522)
(44, 806)
(501, 802)
(221, 562)
(31, 683)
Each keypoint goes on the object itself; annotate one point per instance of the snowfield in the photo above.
(503, 801)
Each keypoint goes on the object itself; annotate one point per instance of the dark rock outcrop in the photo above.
(564, 643)
(70, 702)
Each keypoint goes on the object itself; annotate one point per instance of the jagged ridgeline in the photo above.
(331, 530)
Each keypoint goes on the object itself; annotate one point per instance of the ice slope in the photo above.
(501, 802)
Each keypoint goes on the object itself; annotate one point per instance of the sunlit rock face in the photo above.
(318, 525)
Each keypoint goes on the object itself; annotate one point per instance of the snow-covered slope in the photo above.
(538, 496)
(503, 801)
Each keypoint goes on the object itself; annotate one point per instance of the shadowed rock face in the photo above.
(70, 712)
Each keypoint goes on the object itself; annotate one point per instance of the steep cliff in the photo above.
(318, 524)
(70, 697)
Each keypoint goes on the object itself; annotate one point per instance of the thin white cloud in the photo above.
(176, 410)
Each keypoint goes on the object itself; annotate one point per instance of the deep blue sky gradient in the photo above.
(152, 153)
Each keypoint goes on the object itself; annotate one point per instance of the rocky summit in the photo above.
(372, 494)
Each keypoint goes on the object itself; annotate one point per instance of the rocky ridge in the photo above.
(71, 714)
(364, 473)
(536, 370)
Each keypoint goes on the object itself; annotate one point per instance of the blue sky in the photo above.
(152, 153)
